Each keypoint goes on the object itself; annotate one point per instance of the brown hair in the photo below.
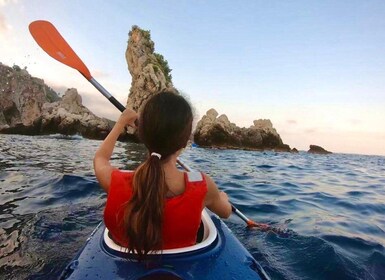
(165, 125)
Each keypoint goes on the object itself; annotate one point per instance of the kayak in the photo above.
(219, 255)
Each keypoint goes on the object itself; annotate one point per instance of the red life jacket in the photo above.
(182, 213)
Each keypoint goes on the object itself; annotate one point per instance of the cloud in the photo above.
(310, 130)
(99, 74)
(291, 121)
(5, 2)
(3, 24)
(354, 121)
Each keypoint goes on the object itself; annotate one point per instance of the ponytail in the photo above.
(144, 212)
(165, 124)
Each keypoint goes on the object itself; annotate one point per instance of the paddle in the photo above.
(50, 40)
(250, 223)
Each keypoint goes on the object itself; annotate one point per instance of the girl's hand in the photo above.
(128, 117)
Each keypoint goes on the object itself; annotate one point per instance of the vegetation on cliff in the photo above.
(162, 63)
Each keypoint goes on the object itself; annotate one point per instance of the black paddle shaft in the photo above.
(107, 95)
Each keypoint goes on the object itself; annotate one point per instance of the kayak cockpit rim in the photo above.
(210, 233)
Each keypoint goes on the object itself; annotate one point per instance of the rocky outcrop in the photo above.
(21, 97)
(69, 116)
(219, 132)
(149, 70)
(314, 149)
(28, 106)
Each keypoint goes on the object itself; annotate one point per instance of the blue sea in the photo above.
(331, 207)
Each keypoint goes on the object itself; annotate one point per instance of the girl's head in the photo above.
(165, 124)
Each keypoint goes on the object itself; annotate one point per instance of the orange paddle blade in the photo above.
(50, 40)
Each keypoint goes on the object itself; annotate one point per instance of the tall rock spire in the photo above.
(149, 70)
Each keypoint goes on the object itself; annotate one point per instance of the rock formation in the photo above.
(219, 132)
(68, 116)
(21, 97)
(149, 70)
(314, 149)
(28, 106)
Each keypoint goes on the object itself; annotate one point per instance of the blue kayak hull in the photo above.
(225, 258)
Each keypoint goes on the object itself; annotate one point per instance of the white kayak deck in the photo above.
(209, 235)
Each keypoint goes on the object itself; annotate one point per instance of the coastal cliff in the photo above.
(21, 97)
(29, 106)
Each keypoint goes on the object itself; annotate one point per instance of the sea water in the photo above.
(331, 207)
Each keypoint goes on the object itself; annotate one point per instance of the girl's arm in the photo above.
(102, 165)
(217, 201)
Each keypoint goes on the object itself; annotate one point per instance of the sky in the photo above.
(316, 69)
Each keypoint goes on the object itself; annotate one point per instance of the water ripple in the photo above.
(332, 206)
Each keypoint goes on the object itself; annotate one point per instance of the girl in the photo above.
(157, 206)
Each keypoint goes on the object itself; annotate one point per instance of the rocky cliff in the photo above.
(28, 106)
(219, 132)
(149, 70)
(21, 96)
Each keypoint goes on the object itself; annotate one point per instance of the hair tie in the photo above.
(156, 155)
